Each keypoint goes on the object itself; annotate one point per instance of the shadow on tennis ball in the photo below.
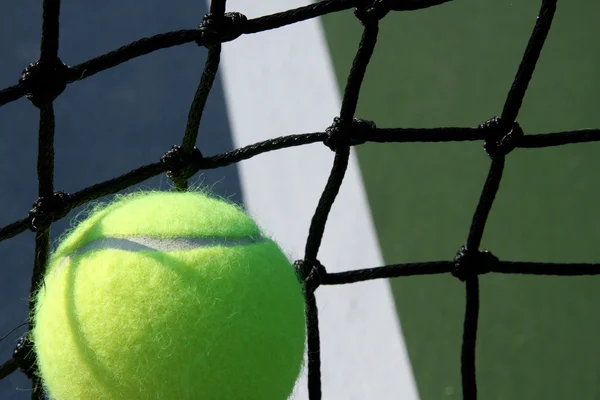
(224, 328)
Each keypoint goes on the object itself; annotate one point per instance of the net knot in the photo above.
(182, 165)
(216, 29)
(47, 210)
(353, 133)
(468, 263)
(504, 138)
(44, 81)
(24, 356)
(310, 273)
(371, 11)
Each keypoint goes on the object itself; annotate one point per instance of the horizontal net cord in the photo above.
(377, 135)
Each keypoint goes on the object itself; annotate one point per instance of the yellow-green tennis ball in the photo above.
(165, 295)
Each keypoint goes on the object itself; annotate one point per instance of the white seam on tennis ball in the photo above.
(140, 243)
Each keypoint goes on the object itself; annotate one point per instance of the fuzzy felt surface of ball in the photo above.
(169, 295)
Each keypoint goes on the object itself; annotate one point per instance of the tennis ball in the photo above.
(167, 295)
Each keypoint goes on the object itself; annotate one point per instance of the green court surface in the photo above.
(453, 65)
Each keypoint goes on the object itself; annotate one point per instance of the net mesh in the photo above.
(43, 81)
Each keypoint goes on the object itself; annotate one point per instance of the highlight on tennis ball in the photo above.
(169, 295)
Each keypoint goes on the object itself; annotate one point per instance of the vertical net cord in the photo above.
(211, 66)
(197, 108)
(45, 163)
(509, 114)
(515, 96)
(42, 237)
(490, 189)
(467, 357)
(200, 97)
(317, 227)
(314, 347)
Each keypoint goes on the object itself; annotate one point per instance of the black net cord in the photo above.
(312, 247)
(488, 194)
(45, 167)
(533, 50)
(50, 28)
(358, 70)
(42, 248)
(209, 73)
(45, 190)
(217, 7)
(197, 108)
(332, 189)
(470, 269)
(338, 141)
(314, 347)
(467, 358)
(206, 82)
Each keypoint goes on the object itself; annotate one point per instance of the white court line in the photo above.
(282, 82)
